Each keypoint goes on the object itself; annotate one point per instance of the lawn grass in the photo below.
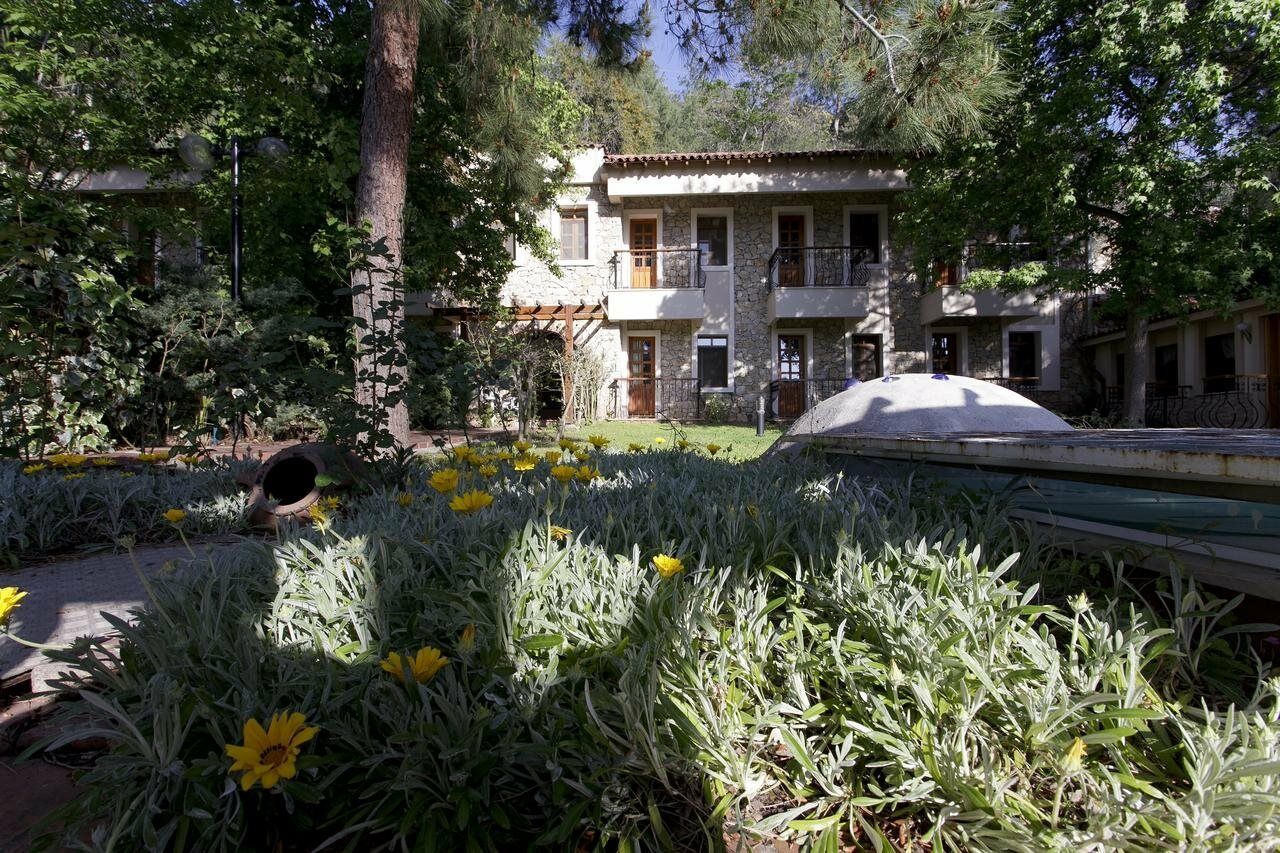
(739, 442)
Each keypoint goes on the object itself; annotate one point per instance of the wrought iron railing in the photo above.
(819, 266)
(790, 398)
(647, 268)
(678, 398)
(1027, 386)
(1228, 402)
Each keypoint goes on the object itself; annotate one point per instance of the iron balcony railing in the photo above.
(819, 266)
(663, 398)
(1243, 401)
(647, 268)
(790, 398)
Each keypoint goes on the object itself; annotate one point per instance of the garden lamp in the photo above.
(199, 153)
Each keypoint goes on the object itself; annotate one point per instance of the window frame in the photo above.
(882, 211)
(589, 221)
(727, 213)
(728, 366)
(962, 347)
(1036, 350)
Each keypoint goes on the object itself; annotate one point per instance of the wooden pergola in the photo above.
(566, 313)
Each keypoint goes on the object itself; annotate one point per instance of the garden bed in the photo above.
(660, 649)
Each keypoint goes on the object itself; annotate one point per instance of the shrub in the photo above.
(833, 661)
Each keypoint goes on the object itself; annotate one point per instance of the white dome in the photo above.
(920, 403)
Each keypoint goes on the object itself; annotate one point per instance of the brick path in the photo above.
(65, 600)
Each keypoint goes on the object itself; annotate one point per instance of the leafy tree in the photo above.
(767, 110)
(1146, 129)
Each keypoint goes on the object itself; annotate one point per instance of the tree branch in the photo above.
(880, 37)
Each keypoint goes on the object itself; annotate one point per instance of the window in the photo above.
(1220, 362)
(946, 352)
(1166, 358)
(713, 361)
(864, 237)
(1024, 356)
(866, 357)
(945, 275)
(573, 234)
(712, 235)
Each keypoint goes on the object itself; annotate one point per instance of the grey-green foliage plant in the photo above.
(840, 663)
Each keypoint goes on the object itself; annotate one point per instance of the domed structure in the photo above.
(924, 404)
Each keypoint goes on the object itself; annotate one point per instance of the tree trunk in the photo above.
(386, 122)
(1137, 345)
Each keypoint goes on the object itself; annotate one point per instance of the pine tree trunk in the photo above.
(386, 122)
(1136, 343)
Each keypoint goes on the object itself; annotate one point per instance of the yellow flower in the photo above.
(189, 461)
(586, 474)
(753, 510)
(599, 442)
(128, 474)
(175, 516)
(552, 456)
(271, 754)
(525, 463)
(659, 440)
(152, 458)
(404, 499)
(330, 503)
(470, 502)
(103, 462)
(668, 566)
(682, 444)
(564, 473)
(488, 470)
(67, 460)
(35, 468)
(76, 476)
(467, 641)
(1074, 757)
(316, 512)
(445, 480)
(713, 448)
(582, 456)
(635, 448)
(503, 455)
(462, 453)
(423, 666)
(559, 533)
(568, 443)
(523, 446)
(479, 459)
(10, 598)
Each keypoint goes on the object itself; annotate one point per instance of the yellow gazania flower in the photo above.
(470, 502)
(585, 474)
(713, 448)
(635, 448)
(1073, 759)
(190, 461)
(445, 480)
(175, 515)
(569, 444)
(502, 455)
(525, 463)
(523, 446)
(564, 473)
(103, 462)
(77, 476)
(682, 444)
(34, 468)
(599, 442)
(10, 598)
(668, 566)
(582, 456)
(330, 503)
(659, 440)
(463, 453)
(753, 510)
(405, 498)
(479, 459)
(423, 666)
(153, 458)
(552, 456)
(271, 754)
(489, 470)
(467, 641)
(559, 533)
(67, 460)
(317, 513)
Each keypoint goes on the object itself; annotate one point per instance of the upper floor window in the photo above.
(573, 234)
(864, 236)
(712, 236)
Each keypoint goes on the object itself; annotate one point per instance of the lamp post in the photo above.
(199, 153)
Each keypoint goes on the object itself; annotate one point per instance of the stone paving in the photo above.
(66, 599)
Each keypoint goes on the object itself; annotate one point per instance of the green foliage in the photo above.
(839, 663)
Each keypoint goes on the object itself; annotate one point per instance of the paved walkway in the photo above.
(65, 600)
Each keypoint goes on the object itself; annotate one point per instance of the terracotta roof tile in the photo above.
(687, 158)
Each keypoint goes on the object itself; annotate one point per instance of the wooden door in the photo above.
(1272, 322)
(946, 353)
(791, 250)
(642, 364)
(644, 255)
(792, 372)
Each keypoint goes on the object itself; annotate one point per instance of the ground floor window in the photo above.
(867, 357)
(1220, 362)
(1024, 357)
(946, 352)
(713, 361)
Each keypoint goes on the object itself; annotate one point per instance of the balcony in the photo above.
(663, 398)
(813, 282)
(656, 284)
(945, 303)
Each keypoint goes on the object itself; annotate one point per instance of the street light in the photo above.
(199, 153)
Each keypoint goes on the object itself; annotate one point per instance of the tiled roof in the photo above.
(690, 157)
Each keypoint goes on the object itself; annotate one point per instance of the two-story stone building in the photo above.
(760, 276)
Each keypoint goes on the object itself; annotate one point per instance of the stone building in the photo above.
(715, 283)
